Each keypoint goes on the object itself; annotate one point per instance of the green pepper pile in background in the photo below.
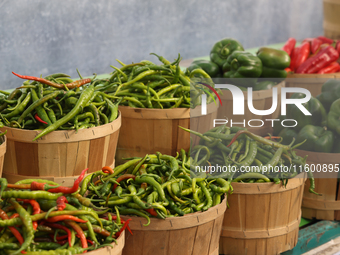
(148, 85)
(229, 60)
(321, 130)
(248, 157)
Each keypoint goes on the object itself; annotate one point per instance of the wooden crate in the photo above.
(331, 18)
(312, 82)
(327, 206)
(117, 249)
(59, 156)
(262, 218)
(147, 131)
(262, 100)
(192, 234)
(3, 147)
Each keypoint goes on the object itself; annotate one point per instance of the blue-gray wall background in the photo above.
(39, 37)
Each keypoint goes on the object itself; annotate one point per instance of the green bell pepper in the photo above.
(329, 93)
(264, 85)
(318, 117)
(317, 139)
(274, 62)
(287, 134)
(222, 50)
(333, 118)
(242, 64)
(209, 67)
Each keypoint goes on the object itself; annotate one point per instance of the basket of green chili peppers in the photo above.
(160, 193)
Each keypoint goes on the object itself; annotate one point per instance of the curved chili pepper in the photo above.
(122, 178)
(123, 228)
(289, 45)
(79, 231)
(36, 209)
(325, 39)
(61, 203)
(315, 45)
(331, 68)
(39, 119)
(67, 190)
(107, 170)
(299, 55)
(53, 84)
(59, 226)
(65, 217)
(14, 231)
(152, 211)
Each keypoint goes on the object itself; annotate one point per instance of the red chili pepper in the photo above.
(53, 84)
(288, 70)
(37, 186)
(14, 231)
(107, 170)
(67, 190)
(320, 60)
(315, 45)
(122, 178)
(61, 203)
(331, 68)
(289, 45)
(36, 209)
(65, 217)
(79, 231)
(299, 55)
(325, 39)
(39, 119)
(59, 226)
(89, 241)
(62, 242)
(152, 211)
(123, 228)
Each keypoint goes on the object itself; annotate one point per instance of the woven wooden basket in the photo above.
(263, 218)
(59, 156)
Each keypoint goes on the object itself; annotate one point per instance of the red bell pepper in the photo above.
(299, 56)
(320, 60)
(289, 45)
(331, 68)
(325, 39)
(315, 45)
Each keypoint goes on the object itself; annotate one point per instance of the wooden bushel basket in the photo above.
(116, 250)
(327, 206)
(3, 147)
(312, 82)
(263, 218)
(262, 100)
(192, 234)
(147, 131)
(61, 155)
(331, 18)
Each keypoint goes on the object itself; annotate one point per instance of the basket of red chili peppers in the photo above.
(313, 62)
(40, 216)
(57, 127)
(166, 201)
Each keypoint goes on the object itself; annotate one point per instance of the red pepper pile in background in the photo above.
(314, 55)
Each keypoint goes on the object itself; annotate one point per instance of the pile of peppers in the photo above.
(41, 216)
(249, 156)
(156, 185)
(314, 55)
(321, 130)
(56, 102)
(148, 85)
